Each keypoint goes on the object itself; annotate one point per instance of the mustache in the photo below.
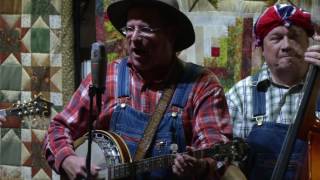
(298, 53)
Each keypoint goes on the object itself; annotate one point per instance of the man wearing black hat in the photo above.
(195, 114)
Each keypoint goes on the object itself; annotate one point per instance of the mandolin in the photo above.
(37, 106)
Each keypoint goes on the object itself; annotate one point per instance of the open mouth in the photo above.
(138, 51)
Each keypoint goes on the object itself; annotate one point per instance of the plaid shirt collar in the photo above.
(264, 80)
(173, 70)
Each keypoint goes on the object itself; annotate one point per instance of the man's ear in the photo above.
(172, 33)
(316, 35)
(262, 51)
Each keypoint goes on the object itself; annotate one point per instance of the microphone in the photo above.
(98, 66)
(98, 72)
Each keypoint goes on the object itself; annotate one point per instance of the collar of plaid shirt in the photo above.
(264, 80)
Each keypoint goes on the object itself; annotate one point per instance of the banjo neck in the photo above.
(141, 166)
(146, 165)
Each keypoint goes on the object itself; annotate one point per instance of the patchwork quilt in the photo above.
(36, 57)
(32, 62)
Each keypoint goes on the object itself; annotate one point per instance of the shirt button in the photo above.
(123, 105)
(174, 114)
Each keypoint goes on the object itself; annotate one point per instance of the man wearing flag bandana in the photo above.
(261, 106)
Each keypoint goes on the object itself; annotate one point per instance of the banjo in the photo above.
(110, 152)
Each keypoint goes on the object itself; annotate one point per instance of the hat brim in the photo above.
(117, 14)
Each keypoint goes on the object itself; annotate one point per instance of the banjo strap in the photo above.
(152, 126)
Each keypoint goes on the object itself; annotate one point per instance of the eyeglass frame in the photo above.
(144, 31)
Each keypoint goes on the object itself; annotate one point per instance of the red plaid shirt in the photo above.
(205, 117)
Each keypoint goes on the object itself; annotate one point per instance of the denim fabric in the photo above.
(130, 123)
(265, 143)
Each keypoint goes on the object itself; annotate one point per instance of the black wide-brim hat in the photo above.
(117, 12)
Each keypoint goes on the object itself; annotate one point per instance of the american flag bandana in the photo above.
(281, 14)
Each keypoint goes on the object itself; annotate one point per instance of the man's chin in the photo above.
(291, 67)
(288, 67)
(137, 62)
(140, 65)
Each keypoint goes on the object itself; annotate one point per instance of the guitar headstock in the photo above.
(235, 150)
(37, 106)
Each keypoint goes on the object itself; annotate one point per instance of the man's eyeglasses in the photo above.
(142, 31)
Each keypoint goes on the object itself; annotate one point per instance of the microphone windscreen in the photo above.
(98, 65)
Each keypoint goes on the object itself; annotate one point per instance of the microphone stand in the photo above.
(93, 91)
(96, 89)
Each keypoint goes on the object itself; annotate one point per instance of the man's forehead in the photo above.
(288, 29)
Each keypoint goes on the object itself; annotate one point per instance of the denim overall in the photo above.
(130, 123)
(265, 143)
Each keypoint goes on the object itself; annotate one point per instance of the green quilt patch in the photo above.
(10, 77)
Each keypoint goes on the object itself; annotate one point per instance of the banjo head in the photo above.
(107, 149)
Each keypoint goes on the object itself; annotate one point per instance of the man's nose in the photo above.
(136, 34)
(286, 44)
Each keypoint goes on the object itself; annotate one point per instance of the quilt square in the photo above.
(40, 40)
(10, 146)
(10, 40)
(13, 77)
(10, 173)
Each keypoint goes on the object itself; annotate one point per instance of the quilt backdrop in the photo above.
(33, 60)
(224, 41)
(224, 35)
(36, 56)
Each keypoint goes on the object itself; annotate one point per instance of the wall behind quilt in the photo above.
(33, 60)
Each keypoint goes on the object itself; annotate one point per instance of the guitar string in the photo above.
(234, 150)
(121, 170)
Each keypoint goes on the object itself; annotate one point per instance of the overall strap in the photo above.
(152, 126)
(318, 105)
(181, 95)
(258, 100)
(123, 83)
(190, 72)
